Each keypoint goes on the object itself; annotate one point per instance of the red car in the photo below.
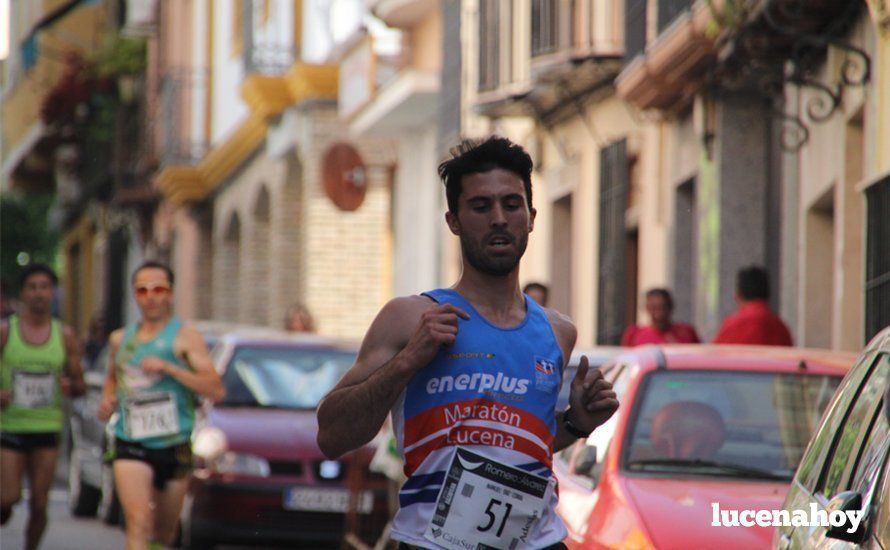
(701, 430)
(260, 478)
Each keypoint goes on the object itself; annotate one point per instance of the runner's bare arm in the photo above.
(405, 337)
(109, 388)
(72, 379)
(5, 395)
(202, 378)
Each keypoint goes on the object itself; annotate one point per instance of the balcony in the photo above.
(382, 91)
(181, 122)
(561, 51)
(401, 13)
(666, 74)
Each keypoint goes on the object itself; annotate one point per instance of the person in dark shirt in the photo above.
(753, 323)
(662, 330)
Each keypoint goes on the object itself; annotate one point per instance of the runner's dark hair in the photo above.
(32, 269)
(475, 156)
(153, 264)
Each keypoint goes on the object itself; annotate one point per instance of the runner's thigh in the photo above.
(133, 479)
(41, 473)
(12, 468)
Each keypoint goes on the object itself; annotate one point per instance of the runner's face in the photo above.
(154, 294)
(37, 293)
(493, 221)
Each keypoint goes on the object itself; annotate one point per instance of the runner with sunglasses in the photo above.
(158, 366)
(39, 363)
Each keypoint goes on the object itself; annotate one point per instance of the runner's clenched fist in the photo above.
(437, 328)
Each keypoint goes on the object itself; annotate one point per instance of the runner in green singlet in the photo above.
(158, 367)
(39, 363)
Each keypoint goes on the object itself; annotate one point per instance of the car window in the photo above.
(725, 423)
(872, 457)
(591, 458)
(820, 447)
(854, 430)
(881, 522)
(283, 377)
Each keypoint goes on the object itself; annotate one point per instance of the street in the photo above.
(64, 531)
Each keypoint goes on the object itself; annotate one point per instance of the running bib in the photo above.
(33, 390)
(484, 504)
(152, 415)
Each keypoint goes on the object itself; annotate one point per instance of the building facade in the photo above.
(248, 217)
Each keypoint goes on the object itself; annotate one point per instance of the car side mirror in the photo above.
(586, 461)
(848, 501)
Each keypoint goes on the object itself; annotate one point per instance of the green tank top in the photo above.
(155, 411)
(32, 374)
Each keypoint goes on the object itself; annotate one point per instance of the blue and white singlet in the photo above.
(494, 393)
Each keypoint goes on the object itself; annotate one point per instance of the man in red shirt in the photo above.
(754, 323)
(659, 306)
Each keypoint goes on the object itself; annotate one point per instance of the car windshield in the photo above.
(280, 377)
(731, 424)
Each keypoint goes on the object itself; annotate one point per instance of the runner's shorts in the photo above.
(167, 463)
(26, 442)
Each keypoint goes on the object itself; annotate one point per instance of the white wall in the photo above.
(419, 204)
(228, 72)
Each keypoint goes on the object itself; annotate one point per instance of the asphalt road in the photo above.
(64, 531)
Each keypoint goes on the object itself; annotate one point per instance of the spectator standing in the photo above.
(661, 330)
(754, 323)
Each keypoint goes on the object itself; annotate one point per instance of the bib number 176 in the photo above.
(493, 516)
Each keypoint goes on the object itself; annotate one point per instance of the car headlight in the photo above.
(241, 463)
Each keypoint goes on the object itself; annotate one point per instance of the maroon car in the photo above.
(260, 478)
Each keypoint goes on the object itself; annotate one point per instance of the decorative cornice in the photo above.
(185, 184)
(267, 97)
(306, 82)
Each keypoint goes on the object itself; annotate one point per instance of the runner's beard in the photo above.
(498, 266)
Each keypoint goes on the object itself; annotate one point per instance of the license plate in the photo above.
(326, 500)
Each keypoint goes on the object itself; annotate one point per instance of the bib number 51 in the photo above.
(492, 516)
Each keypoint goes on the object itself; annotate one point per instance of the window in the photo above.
(634, 28)
(545, 26)
(614, 184)
(286, 378)
(873, 456)
(718, 423)
(877, 264)
(851, 437)
(820, 447)
(669, 10)
(489, 45)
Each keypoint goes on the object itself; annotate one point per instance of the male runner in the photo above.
(40, 362)
(157, 368)
(471, 376)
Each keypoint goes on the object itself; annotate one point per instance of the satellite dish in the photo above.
(344, 176)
